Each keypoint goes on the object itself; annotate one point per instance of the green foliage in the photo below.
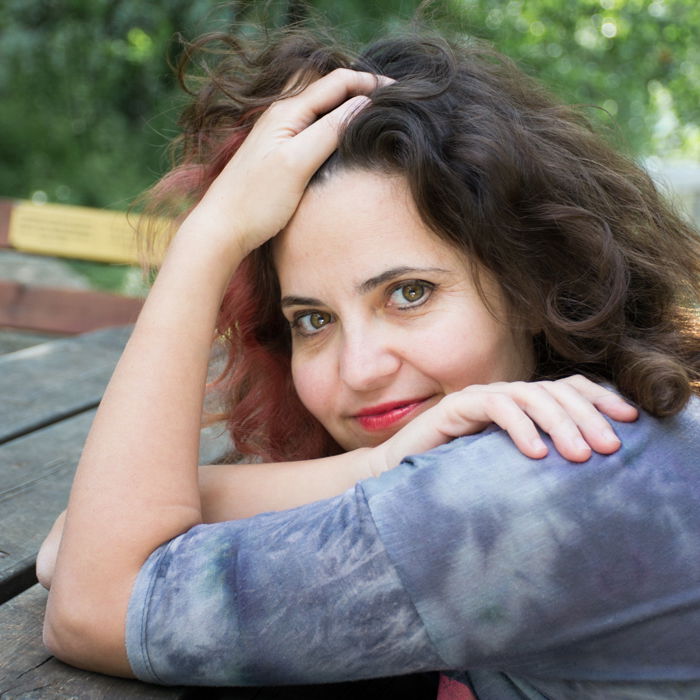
(88, 99)
(637, 59)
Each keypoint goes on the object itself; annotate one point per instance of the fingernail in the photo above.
(580, 444)
(538, 445)
(610, 437)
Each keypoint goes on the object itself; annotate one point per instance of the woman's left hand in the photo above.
(571, 411)
(46, 558)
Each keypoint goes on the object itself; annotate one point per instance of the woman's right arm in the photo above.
(136, 483)
(468, 556)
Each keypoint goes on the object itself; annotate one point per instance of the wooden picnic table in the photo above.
(49, 395)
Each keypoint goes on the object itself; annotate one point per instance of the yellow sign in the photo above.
(73, 232)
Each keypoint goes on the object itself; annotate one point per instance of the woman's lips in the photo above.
(382, 416)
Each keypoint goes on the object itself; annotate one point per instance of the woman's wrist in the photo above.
(216, 254)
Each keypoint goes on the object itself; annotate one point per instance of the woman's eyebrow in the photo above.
(299, 301)
(364, 287)
(392, 273)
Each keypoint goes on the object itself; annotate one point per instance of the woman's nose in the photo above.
(367, 358)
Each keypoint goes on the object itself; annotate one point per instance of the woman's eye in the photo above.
(410, 294)
(311, 322)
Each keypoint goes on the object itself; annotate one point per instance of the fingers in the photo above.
(566, 410)
(521, 406)
(316, 114)
(326, 93)
(573, 423)
(318, 110)
(477, 406)
(583, 405)
(605, 400)
(48, 552)
(310, 148)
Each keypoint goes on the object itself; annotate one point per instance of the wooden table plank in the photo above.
(12, 340)
(45, 383)
(35, 477)
(50, 392)
(36, 472)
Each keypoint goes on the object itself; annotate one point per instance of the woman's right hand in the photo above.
(257, 192)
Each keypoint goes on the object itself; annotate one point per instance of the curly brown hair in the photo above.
(590, 258)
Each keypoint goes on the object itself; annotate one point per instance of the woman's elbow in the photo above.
(90, 642)
(59, 637)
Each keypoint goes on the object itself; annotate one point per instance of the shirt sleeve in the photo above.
(468, 556)
(294, 597)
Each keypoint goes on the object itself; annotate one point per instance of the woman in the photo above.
(447, 233)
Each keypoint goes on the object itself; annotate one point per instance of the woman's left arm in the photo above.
(570, 410)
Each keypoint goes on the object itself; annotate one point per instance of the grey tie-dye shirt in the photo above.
(523, 578)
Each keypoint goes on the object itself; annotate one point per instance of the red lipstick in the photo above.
(384, 415)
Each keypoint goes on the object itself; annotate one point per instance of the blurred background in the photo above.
(88, 101)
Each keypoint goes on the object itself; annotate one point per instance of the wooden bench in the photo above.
(71, 232)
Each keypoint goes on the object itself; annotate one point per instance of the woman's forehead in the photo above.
(355, 225)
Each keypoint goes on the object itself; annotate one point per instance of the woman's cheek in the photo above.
(311, 383)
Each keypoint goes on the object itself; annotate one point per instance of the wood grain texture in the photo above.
(50, 381)
(36, 472)
(50, 393)
(28, 671)
(14, 340)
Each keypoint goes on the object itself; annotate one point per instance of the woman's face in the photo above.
(385, 316)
